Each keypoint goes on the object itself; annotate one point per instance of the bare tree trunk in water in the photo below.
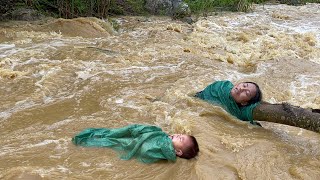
(287, 114)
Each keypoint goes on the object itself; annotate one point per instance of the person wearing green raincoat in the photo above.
(239, 100)
(147, 143)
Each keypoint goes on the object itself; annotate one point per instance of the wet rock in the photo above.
(175, 8)
(180, 9)
(293, 2)
(188, 20)
(24, 14)
(159, 7)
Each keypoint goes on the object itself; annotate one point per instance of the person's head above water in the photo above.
(246, 93)
(185, 146)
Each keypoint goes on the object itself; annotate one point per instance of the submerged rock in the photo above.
(293, 2)
(23, 14)
(175, 8)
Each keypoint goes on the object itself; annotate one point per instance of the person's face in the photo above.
(180, 142)
(243, 92)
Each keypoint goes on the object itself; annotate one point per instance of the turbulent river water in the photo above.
(61, 76)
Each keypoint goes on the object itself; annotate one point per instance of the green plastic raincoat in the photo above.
(146, 143)
(219, 93)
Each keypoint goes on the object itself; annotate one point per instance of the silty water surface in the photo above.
(61, 76)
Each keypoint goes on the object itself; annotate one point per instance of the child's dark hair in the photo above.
(191, 151)
(258, 95)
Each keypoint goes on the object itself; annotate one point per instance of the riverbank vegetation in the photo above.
(104, 8)
(221, 5)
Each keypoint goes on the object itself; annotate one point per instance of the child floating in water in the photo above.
(147, 143)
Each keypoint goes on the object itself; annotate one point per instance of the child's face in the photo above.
(180, 142)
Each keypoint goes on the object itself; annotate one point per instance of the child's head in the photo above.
(185, 146)
(246, 93)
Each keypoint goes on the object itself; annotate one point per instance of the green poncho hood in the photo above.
(219, 93)
(146, 143)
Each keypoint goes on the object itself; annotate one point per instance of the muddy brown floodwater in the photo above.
(61, 76)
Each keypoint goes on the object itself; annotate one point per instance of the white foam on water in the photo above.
(105, 165)
(303, 25)
(85, 164)
(5, 115)
(6, 46)
(46, 172)
(300, 90)
(131, 105)
(84, 75)
(119, 101)
(57, 43)
(19, 106)
(43, 143)
(47, 100)
(60, 148)
(44, 75)
(234, 75)
(63, 169)
(302, 28)
(135, 69)
(9, 51)
(36, 61)
(58, 124)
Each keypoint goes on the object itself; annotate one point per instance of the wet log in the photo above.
(288, 114)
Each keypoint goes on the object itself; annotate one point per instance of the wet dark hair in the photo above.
(258, 95)
(191, 151)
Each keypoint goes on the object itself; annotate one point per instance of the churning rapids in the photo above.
(61, 76)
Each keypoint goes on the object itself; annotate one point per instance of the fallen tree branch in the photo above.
(288, 114)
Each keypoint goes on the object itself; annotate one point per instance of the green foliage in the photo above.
(115, 24)
(127, 7)
(103, 8)
(298, 2)
(312, 1)
(137, 6)
(116, 9)
(97, 8)
(200, 6)
(6, 6)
